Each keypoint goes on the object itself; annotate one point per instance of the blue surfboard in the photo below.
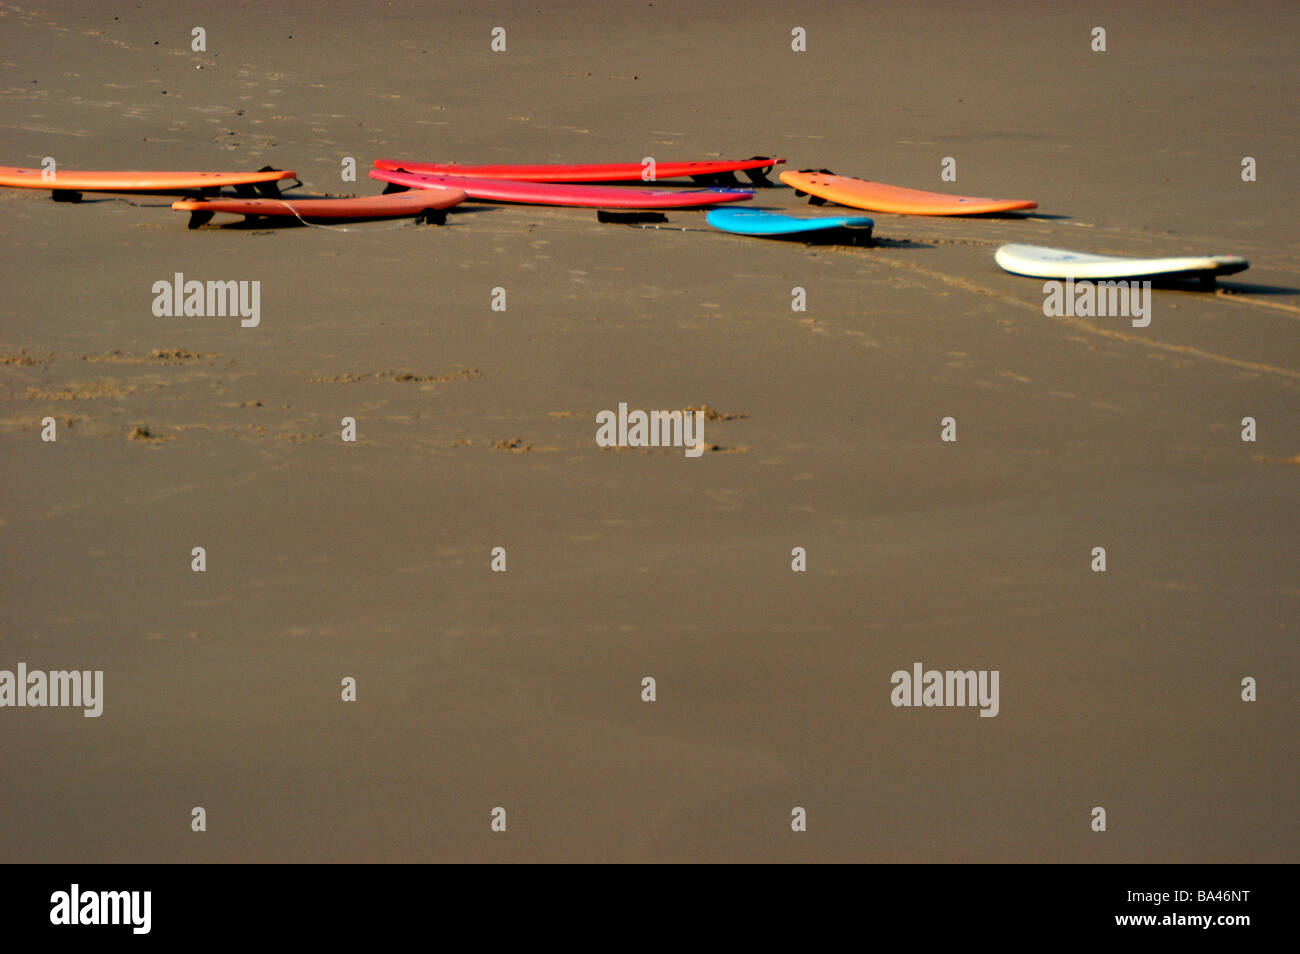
(776, 224)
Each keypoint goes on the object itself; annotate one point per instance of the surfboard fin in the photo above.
(392, 187)
(200, 217)
(760, 176)
(65, 195)
(432, 217)
(857, 235)
(251, 190)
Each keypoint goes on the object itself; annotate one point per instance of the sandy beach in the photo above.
(476, 427)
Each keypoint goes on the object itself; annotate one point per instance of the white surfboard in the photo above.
(1037, 261)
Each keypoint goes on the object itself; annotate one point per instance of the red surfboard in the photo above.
(703, 170)
(583, 196)
(397, 205)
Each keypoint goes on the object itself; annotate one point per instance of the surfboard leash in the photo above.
(419, 219)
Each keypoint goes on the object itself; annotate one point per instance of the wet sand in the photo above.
(476, 430)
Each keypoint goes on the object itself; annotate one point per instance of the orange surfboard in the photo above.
(397, 205)
(67, 183)
(878, 197)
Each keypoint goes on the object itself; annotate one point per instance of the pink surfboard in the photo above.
(703, 170)
(583, 196)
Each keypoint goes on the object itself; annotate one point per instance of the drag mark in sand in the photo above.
(970, 286)
(1235, 298)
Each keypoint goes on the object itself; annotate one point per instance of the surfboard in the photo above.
(549, 193)
(418, 203)
(67, 184)
(775, 224)
(706, 170)
(878, 197)
(1037, 261)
